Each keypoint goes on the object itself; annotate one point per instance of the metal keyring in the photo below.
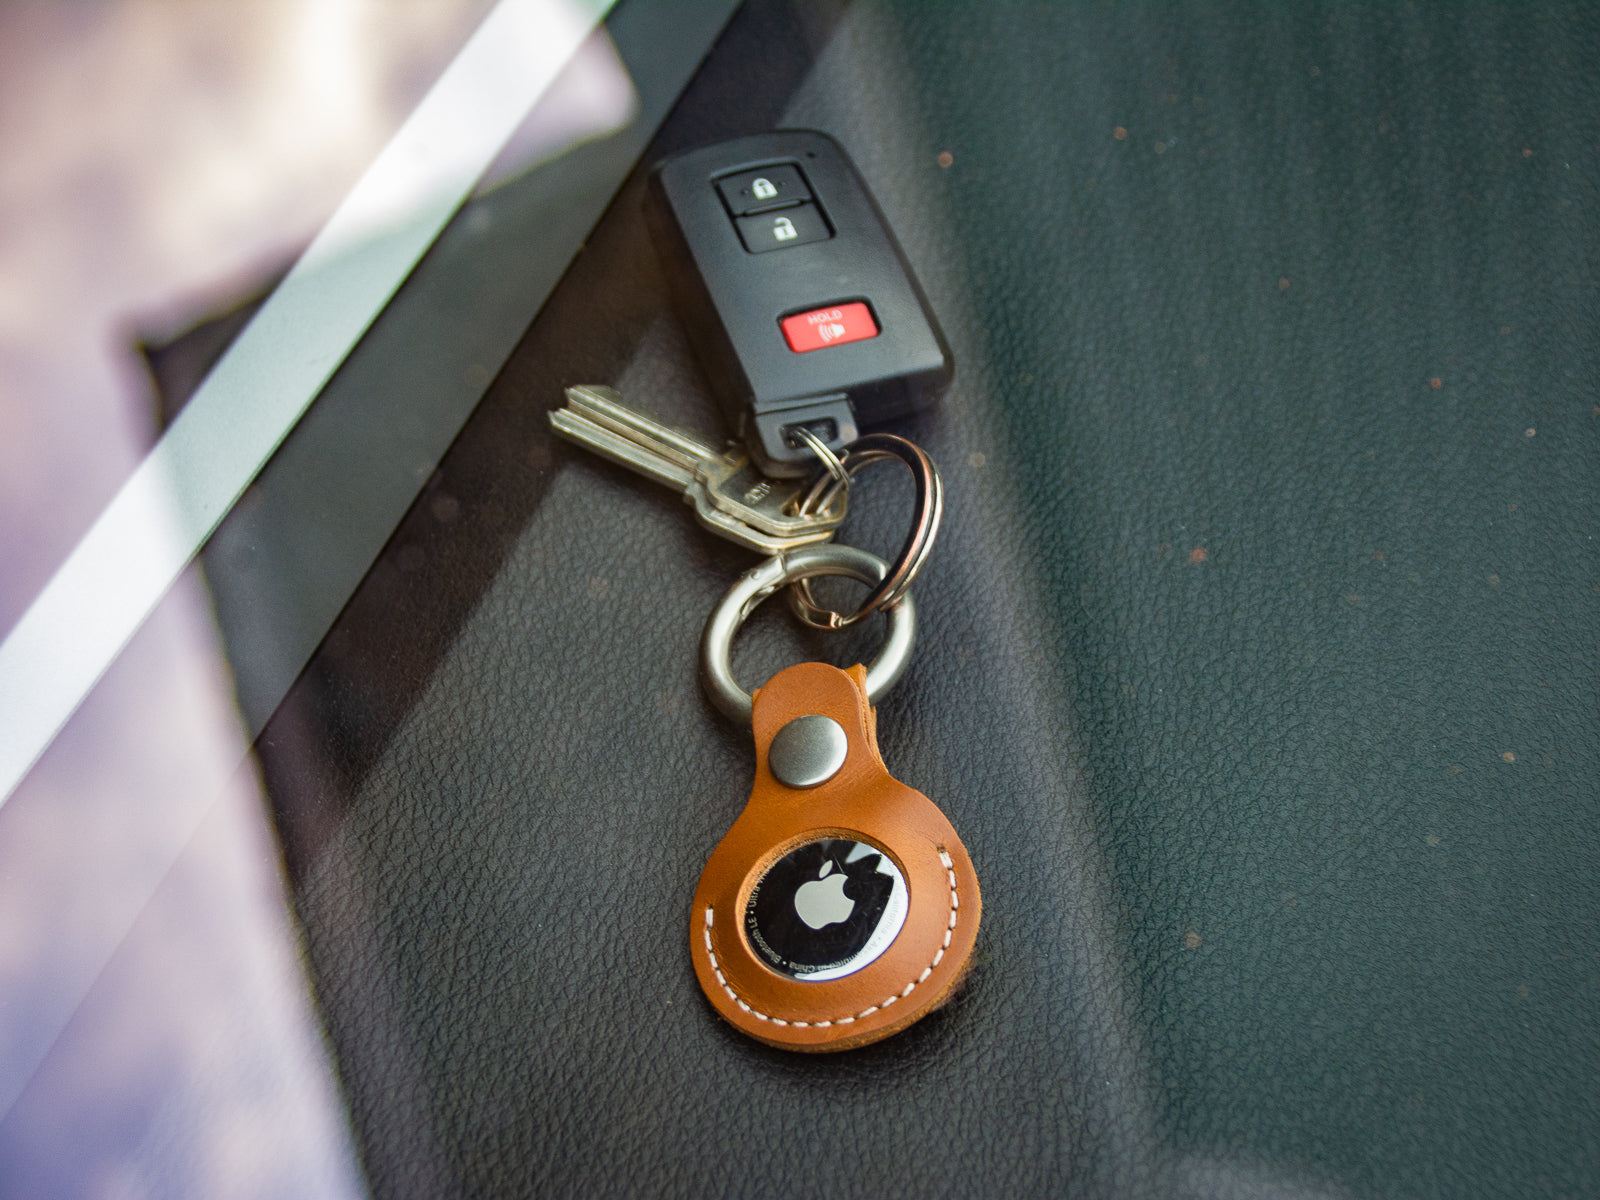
(755, 585)
(863, 452)
(830, 460)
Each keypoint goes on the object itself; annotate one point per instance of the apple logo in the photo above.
(827, 908)
(822, 901)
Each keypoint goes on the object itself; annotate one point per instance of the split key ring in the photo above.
(863, 452)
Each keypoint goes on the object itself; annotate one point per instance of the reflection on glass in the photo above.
(161, 161)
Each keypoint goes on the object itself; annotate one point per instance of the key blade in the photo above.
(604, 407)
(748, 536)
(624, 451)
(729, 496)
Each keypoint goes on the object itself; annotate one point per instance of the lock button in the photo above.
(756, 191)
(795, 226)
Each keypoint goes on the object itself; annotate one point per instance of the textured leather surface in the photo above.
(1257, 668)
(929, 956)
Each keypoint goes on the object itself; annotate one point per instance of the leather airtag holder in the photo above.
(833, 915)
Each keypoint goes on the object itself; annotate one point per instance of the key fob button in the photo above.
(832, 326)
(779, 230)
(757, 191)
(738, 294)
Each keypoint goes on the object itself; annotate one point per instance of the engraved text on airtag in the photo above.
(825, 909)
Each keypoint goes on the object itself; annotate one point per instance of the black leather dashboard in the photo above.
(1258, 666)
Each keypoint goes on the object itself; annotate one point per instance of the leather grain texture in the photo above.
(1258, 662)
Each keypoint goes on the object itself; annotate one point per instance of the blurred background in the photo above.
(164, 164)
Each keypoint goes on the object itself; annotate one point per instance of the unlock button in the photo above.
(787, 227)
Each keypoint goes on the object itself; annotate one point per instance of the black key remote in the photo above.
(798, 300)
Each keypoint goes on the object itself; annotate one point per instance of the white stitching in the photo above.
(955, 904)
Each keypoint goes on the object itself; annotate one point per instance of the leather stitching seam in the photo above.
(955, 905)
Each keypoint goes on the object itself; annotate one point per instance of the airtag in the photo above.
(833, 914)
(826, 909)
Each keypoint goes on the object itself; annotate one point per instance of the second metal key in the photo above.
(729, 495)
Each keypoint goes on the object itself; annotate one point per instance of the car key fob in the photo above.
(798, 300)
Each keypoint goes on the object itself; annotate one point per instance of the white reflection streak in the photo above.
(134, 552)
(158, 1063)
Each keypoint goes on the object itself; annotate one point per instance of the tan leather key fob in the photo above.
(841, 906)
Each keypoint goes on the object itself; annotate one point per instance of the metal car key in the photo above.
(797, 299)
(730, 497)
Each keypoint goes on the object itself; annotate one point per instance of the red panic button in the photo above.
(830, 326)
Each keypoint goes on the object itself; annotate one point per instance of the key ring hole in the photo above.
(756, 585)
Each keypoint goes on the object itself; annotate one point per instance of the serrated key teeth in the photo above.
(748, 536)
(762, 504)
